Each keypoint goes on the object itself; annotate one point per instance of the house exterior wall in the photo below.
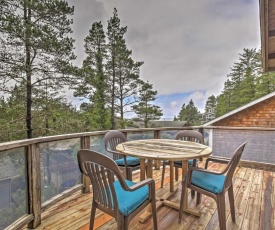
(259, 115)
(259, 144)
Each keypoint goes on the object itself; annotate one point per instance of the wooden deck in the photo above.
(254, 192)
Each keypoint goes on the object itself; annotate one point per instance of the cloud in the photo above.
(199, 99)
(173, 104)
(187, 46)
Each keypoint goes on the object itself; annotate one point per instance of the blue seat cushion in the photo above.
(190, 162)
(210, 182)
(131, 161)
(130, 201)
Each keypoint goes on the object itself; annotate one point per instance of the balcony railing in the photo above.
(37, 173)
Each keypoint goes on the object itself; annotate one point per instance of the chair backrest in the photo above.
(190, 135)
(112, 139)
(102, 171)
(231, 166)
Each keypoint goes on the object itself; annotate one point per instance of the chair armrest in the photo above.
(191, 168)
(222, 160)
(138, 185)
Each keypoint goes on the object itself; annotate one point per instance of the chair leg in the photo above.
(120, 223)
(92, 217)
(129, 174)
(163, 173)
(192, 193)
(125, 223)
(154, 214)
(231, 202)
(221, 211)
(183, 190)
(198, 198)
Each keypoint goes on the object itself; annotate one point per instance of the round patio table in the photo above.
(166, 150)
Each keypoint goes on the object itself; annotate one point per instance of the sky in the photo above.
(187, 46)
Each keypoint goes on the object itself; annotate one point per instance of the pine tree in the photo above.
(243, 76)
(115, 35)
(93, 83)
(265, 84)
(189, 113)
(241, 87)
(144, 109)
(127, 81)
(35, 47)
(123, 71)
(211, 104)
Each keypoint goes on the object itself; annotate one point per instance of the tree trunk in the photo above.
(113, 98)
(27, 16)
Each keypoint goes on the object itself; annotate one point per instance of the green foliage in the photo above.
(211, 103)
(122, 70)
(189, 113)
(245, 83)
(265, 84)
(93, 83)
(127, 80)
(144, 109)
(52, 115)
(115, 35)
(109, 76)
(35, 48)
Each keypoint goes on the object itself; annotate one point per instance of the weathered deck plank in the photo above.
(267, 208)
(254, 192)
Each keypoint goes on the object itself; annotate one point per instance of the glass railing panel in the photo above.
(140, 135)
(98, 145)
(207, 137)
(59, 167)
(259, 147)
(171, 134)
(13, 186)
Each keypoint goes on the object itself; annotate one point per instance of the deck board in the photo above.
(254, 192)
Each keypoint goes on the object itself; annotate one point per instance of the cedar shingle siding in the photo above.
(259, 115)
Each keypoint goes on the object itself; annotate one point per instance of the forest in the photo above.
(36, 68)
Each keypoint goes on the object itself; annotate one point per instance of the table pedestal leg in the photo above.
(164, 201)
(171, 176)
(192, 211)
(142, 169)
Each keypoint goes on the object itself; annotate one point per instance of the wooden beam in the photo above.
(264, 33)
(271, 45)
(34, 179)
(85, 143)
